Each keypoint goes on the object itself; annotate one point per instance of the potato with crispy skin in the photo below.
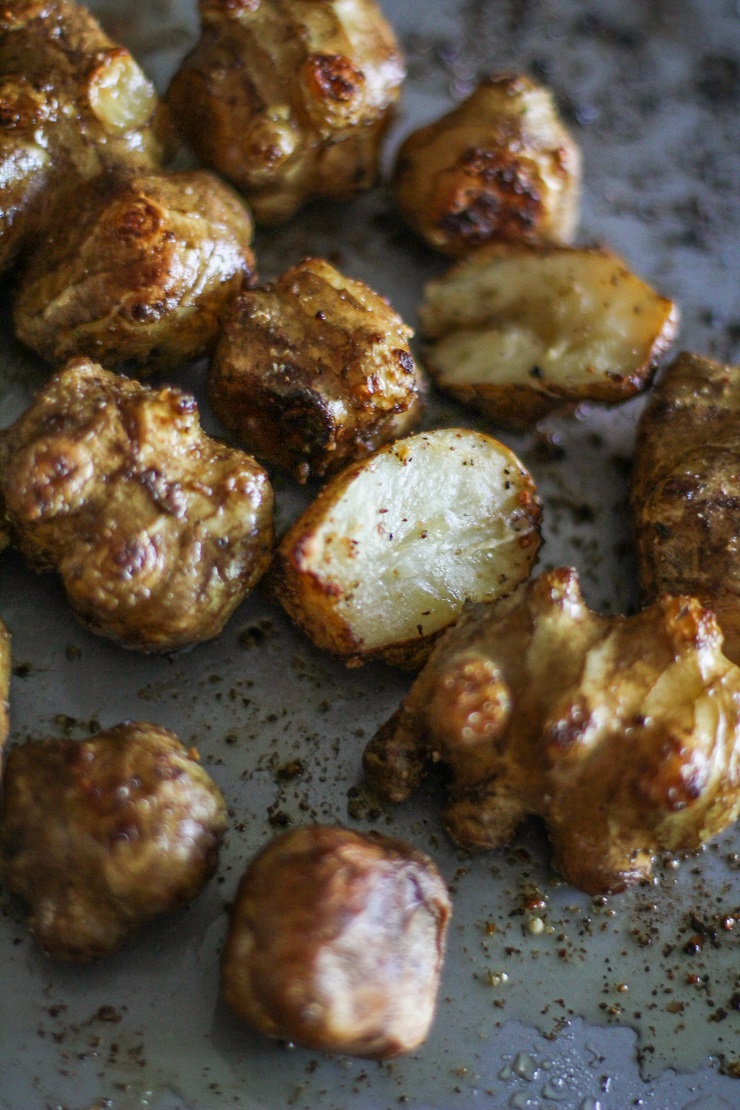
(336, 941)
(522, 331)
(392, 548)
(157, 530)
(623, 733)
(103, 835)
(685, 501)
(72, 103)
(289, 99)
(314, 371)
(500, 166)
(139, 276)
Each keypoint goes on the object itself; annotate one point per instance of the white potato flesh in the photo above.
(577, 318)
(395, 546)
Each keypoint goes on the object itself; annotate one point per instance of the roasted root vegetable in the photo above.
(501, 166)
(623, 733)
(392, 548)
(336, 942)
(72, 103)
(136, 272)
(314, 371)
(157, 530)
(289, 99)
(103, 835)
(685, 503)
(520, 331)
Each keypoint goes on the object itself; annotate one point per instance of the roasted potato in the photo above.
(289, 99)
(157, 530)
(521, 331)
(500, 166)
(685, 503)
(4, 687)
(314, 371)
(623, 733)
(336, 941)
(140, 276)
(72, 103)
(392, 548)
(102, 835)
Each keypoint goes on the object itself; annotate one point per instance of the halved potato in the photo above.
(520, 331)
(394, 546)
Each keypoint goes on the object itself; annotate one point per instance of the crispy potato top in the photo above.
(500, 166)
(685, 489)
(314, 371)
(72, 102)
(99, 836)
(291, 98)
(623, 733)
(520, 331)
(336, 941)
(157, 530)
(136, 271)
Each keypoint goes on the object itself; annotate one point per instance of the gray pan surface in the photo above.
(630, 1000)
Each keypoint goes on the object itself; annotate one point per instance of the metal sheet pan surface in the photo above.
(614, 1003)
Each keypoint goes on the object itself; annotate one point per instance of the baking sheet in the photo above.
(631, 997)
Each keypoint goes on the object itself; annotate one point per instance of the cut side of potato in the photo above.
(521, 331)
(393, 547)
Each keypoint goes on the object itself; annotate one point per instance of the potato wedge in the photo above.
(685, 502)
(393, 547)
(520, 331)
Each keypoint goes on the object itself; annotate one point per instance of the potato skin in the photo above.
(141, 276)
(72, 103)
(314, 371)
(336, 941)
(684, 495)
(100, 836)
(157, 530)
(622, 733)
(289, 99)
(501, 166)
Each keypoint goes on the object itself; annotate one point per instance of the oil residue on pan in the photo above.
(549, 996)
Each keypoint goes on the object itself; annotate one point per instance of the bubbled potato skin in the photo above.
(520, 331)
(336, 941)
(289, 99)
(157, 530)
(623, 733)
(72, 103)
(684, 493)
(387, 555)
(100, 836)
(314, 371)
(501, 166)
(140, 276)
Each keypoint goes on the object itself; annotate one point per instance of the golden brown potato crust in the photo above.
(72, 103)
(4, 686)
(623, 733)
(157, 530)
(336, 941)
(685, 499)
(501, 166)
(100, 836)
(314, 371)
(522, 331)
(289, 99)
(136, 272)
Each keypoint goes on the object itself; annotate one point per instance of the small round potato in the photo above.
(394, 546)
(314, 371)
(501, 166)
(100, 836)
(336, 941)
(140, 275)
(289, 101)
